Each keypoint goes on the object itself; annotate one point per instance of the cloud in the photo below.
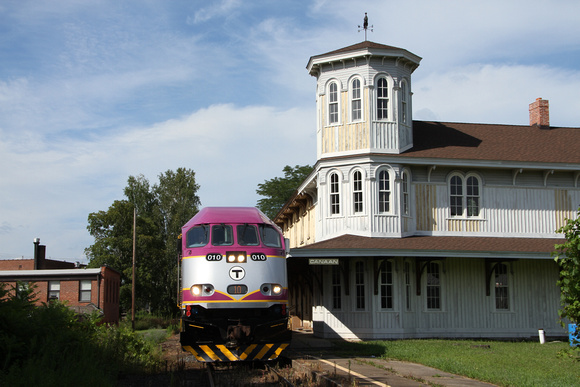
(232, 149)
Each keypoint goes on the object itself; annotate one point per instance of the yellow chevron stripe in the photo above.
(188, 348)
(263, 351)
(227, 352)
(278, 351)
(209, 352)
(248, 350)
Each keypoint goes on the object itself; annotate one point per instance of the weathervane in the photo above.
(365, 26)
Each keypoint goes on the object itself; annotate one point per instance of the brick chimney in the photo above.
(540, 113)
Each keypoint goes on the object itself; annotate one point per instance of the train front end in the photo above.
(234, 290)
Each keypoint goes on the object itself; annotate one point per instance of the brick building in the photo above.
(83, 290)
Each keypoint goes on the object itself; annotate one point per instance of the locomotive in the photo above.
(234, 286)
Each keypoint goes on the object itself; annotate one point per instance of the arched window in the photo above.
(405, 188)
(357, 192)
(356, 101)
(333, 103)
(359, 280)
(386, 285)
(404, 97)
(382, 99)
(334, 194)
(465, 196)
(384, 191)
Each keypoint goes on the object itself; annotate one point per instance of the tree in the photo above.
(280, 189)
(161, 211)
(568, 258)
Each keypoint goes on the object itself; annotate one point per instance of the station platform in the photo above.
(316, 353)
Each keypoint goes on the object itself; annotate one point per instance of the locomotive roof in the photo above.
(229, 215)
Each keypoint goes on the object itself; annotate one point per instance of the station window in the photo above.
(356, 101)
(357, 192)
(405, 190)
(386, 285)
(334, 194)
(384, 192)
(433, 286)
(336, 288)
(382, 99)
(464, 195)
(501, 287)
(359, 280)
(333, 103)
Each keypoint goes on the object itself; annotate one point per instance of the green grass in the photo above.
(501, 363)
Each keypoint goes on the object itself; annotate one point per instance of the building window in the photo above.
(356, 101)
(384, 192)
(472, 196)
(464, 196)
(405, 189)
(404, 102)
(386, 285)
(501, 287)
(53, 290)
(357, 192)
(407, 270)
(382, 99)
(334, 194)
(433, 286)
(85, 291)
(336, 288)
(359, 280)
(333, 103)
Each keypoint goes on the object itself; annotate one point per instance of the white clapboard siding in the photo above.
(466, 310)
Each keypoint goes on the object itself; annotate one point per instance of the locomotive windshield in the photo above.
(222, 235)
(198, 236)
(247, 235)
(270, 236)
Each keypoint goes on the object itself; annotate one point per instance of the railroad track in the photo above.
(244, 374)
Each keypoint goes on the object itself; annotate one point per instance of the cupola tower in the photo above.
(363, 99)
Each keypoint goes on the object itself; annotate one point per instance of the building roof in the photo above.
(431, 246)
(358, 46)
(521, 143)
(362, 49)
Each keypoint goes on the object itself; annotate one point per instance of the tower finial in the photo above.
(365, 26)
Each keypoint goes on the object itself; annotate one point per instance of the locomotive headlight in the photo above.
(196, 290)
(204, 290)
(236, 256)
(271, 289)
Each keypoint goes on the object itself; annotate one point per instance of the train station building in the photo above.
(417, 229)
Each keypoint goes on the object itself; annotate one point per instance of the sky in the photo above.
(92, 92)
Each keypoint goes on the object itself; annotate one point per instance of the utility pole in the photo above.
(133, 281)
